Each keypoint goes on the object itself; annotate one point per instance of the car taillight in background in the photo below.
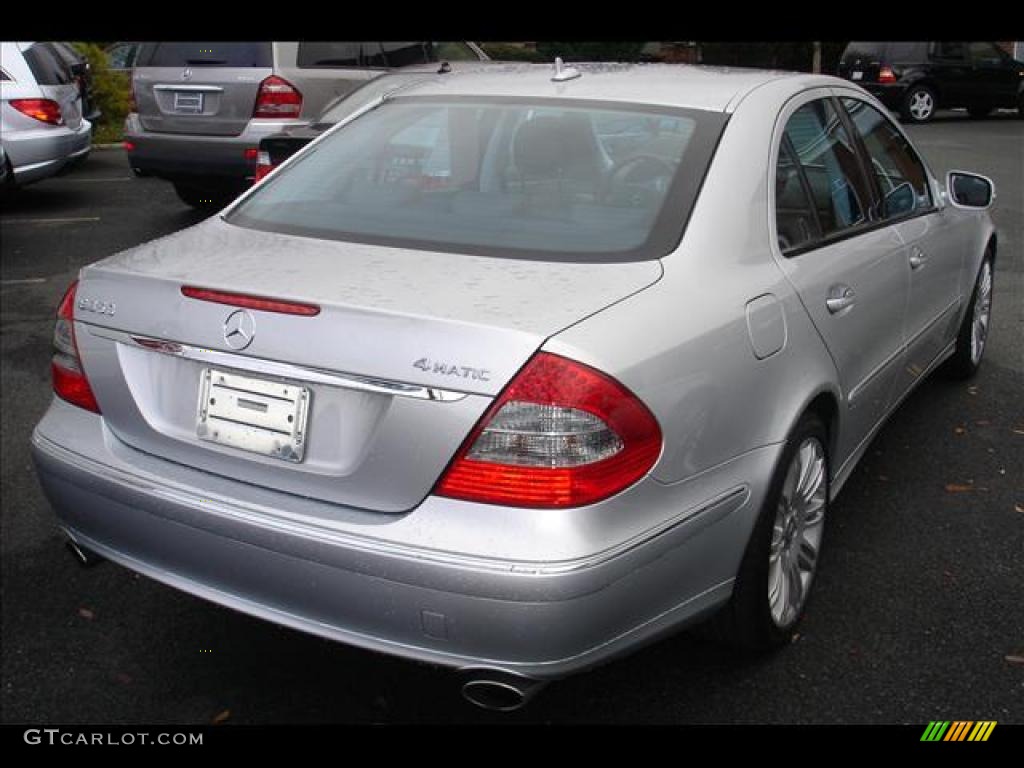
(263, 165)
(44, 110)
(277, 98)
(69, 379)
(561, 434)
(886, 75)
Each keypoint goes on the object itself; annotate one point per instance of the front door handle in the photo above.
(917, 258)
(840, 297)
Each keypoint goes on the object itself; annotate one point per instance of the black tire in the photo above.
(915, 95)
(964, 364)
(203, 198)
(746, 622)
(979, 112)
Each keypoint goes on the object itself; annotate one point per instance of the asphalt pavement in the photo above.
(918, 613)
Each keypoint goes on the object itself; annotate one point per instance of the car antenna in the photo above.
(562, 72)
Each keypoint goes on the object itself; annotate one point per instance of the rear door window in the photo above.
(950, 51)
(901, 176)
(200, 54)
(313, 55)
(907, 51)
(985, 53)
(47, 67)
(830, 164)
(795, 221)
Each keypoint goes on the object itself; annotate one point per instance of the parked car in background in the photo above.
(82, 72)
(41, 123)
(916, 79)
(202, 108)
(517, 371)
(278, 147)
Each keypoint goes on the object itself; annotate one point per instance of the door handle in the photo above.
(840, 297)
(917, 258)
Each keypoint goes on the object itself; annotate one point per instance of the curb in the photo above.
(119, 145)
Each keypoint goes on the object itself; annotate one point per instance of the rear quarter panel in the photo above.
(683, 344)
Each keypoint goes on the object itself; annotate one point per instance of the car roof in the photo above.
(716, 89)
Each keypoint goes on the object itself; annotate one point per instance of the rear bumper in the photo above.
(195, 157)
(890, 94)
(39, 154)
(540, 619)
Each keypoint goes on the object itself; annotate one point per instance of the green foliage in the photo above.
(510, 52)
(111, 92)
(577, 51)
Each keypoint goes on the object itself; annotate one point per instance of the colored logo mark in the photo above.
(959, 730)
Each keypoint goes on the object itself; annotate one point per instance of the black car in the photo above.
(915, 79)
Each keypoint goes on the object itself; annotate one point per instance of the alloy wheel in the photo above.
(797, 532)
(982, 312)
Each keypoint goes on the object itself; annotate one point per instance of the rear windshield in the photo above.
(365, 54)
(551, 179)
(47, 67)
(868, 51)
(205, 55)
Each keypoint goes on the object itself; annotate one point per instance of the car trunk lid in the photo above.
(405, 354)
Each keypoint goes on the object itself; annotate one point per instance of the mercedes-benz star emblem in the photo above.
(239, 329)
(186, 74)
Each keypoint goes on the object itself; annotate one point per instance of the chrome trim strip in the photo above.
(184, 87)
(272, 368)
(843, 474)
(857, 390)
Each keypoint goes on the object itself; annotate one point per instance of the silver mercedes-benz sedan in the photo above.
(514, 371)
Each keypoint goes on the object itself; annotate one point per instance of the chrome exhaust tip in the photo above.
(85, 556)
(499, 691)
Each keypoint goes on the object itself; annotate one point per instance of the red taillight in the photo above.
(886, 75)
(560, 435)
(44, 110)
(250, 154)
(277, 98)
(263, 165)
(69, 380)
(251, 302)
(129, 146)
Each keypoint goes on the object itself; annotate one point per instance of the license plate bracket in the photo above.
(253, 414)
(188, 102)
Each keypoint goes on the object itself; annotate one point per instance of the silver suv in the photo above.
(200, 109)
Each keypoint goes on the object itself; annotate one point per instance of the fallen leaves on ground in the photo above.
(959, 430)
(85, 613)
(220, 717)
(1015, 659)
(958, 488)
(1019, 508)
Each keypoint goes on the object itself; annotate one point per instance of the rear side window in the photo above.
(205, 55)
(47, 68)
(901, 176)
(333, 54)
(825, 153)
(907, 51)
(949, 50)
(795, 220)
(985, 53)
(497, 177)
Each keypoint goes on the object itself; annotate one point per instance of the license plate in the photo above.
(857, 75)
(252, 414)
(189, 102)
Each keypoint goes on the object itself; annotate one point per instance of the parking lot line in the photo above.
(69, 220)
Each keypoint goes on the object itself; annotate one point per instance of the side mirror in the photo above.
(969, 190)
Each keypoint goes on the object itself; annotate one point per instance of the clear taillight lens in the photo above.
(561, 434)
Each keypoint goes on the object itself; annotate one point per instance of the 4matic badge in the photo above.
(450, 369)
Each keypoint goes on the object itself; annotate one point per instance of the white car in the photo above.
(41, 120)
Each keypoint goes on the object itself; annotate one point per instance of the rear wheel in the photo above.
(973, 335)
(918, 104)
(781, 558)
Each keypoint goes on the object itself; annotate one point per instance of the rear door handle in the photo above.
(840, 297)
(917, 258)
